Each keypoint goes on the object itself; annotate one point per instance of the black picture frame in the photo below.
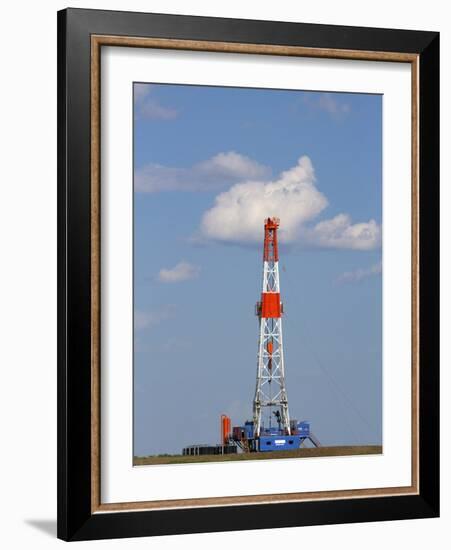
(76, 521)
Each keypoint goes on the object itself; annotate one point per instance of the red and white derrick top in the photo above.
(271, 306)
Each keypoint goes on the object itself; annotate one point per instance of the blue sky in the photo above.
(210, 164)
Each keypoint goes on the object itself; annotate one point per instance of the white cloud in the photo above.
(183, 271)
(238, 214)
(339, 232)
(221, 170)
(330, 103)
(359, 274)
(144, 319)
(152, 109)
(232, 164)
(147, 106)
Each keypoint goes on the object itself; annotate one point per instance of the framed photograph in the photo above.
(248, 274)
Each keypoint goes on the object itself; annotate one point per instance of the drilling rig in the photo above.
(270, 390)
(271, 428)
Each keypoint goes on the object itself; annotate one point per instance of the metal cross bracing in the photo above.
(270, 392)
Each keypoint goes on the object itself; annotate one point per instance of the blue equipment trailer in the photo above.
(273, 439)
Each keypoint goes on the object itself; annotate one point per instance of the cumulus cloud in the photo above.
(237, 214)
(359, 274)
(339, 232)
(145, 319)
(147, 106)
(183, 271)
(221, 170)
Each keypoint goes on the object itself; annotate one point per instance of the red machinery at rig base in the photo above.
(271, 428)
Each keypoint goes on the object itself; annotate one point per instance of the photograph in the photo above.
(257, 274)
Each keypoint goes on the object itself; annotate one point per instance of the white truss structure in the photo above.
(270, 391)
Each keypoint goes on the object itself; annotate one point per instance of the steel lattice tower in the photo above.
(270, 391)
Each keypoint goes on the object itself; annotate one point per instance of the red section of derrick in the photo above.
(270, 249)
(271, 305)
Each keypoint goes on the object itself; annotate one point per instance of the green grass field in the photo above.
(297, 453)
